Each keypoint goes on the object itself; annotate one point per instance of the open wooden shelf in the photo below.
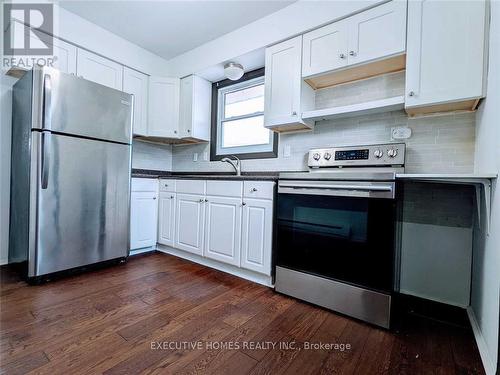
(359, 109)
(357, 72)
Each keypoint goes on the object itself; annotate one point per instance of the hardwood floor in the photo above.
(141, 317)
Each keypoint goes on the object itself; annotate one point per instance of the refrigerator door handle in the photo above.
(47, 102)
(47, 119)
(46, 139)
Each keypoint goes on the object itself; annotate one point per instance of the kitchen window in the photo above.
(238, 119)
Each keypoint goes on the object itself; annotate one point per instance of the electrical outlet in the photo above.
(401, 132)
(195, 156)
(287, 151)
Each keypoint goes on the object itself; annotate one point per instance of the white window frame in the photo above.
(250, 149)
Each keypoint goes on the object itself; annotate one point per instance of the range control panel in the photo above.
(391, 154)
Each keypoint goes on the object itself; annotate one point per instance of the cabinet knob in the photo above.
(154, 198)
(352, 53)
(294, 113)
(243, 204)
(189, 131)
(175, 131)
(411, 93)
(206, 200)
(342, 56)
(171, 197)
(201, 201)
(254, 189)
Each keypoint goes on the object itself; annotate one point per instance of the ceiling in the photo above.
(170, 28)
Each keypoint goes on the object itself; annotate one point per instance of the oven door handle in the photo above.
(339, 187)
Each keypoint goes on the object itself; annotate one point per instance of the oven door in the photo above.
(338, 234)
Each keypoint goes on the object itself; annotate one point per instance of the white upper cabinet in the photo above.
(445, 53)
(374, 34)
(163, 110)
(223, 229)
(99, 69)
(257, 235)
(195, 108)
(136, 83)
(378, 32)
(285, 92)
(325, 49)
(64, 54)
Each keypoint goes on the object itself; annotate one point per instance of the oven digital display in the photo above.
(352, 155)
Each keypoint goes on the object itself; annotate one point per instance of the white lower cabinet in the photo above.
(257, 235)
(223, 229)
(166, 218)
(230, 222)
(143, 219)
(190, 223)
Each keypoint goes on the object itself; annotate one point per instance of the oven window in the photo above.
(343, 238)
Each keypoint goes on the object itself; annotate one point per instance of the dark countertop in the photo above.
(256, 176)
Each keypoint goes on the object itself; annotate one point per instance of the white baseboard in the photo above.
(488, 363)
(244, 274)
(3, 261)
(143, 250)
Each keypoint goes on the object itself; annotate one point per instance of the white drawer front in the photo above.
(225, 188)
(190, 187)
(144, 184)
(167, 185)
(258, 189)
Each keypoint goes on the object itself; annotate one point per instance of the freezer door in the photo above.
(83, 202)
(72, 105)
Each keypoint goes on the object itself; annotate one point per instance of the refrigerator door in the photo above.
(75, 106)
(83, 195)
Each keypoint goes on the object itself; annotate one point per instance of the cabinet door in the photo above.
(190, 223)
(378, 32)
(99, 69)
(223, 229)
(166, 218)
(195, 108)
(186, 107)
(283, 83)
(163, 113)
(136, 83)
(143, 219)
(257, 235)
(325, 49)
(445, 51)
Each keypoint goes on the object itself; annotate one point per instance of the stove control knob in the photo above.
(327, 156)
(378, 153)
(316, 156)
(392, 152)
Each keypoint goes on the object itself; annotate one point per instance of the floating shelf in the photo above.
(359, 109)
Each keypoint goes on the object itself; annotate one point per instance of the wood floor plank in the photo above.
(104, 321)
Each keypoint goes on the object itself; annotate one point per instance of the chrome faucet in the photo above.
(235, 162)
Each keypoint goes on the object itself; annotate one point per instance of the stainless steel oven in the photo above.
(336, 232)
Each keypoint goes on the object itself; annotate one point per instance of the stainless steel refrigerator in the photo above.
(70, 172)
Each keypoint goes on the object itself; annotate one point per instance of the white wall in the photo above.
(295, 19)
(77, 30)
(486, 264)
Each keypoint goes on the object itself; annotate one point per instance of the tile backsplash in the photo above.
(151, 156)
(438, 144)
